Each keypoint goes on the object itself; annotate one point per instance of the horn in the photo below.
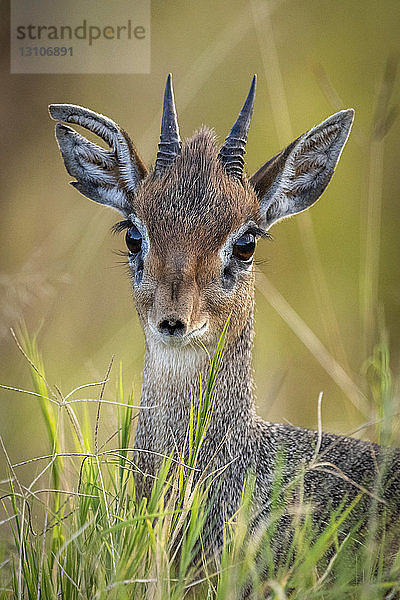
(170, 142)
(233, 150)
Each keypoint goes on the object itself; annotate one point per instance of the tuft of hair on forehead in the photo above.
(197, 165)
(200, 148)
(195, 194)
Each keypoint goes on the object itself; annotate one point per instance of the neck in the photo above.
(171, 381)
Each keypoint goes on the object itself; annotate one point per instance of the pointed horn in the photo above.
(233, 150)
(170, 142)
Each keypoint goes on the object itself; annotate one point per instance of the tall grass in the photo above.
(88, 535)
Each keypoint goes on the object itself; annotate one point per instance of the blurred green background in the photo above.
(336, 266)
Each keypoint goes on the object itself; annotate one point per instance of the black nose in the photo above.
(172, 327)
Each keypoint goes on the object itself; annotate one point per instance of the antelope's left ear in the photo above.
(296, 177)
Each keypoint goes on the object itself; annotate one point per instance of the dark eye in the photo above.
(244, 247)
(133, 239)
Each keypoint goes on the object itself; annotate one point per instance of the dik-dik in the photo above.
(192, 223)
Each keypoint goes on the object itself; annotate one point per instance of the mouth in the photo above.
(178, 338)
(197, 333)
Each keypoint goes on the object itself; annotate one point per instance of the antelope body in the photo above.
(191, 228)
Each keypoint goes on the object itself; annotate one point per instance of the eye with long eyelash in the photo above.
(244, 246)
(133, 237)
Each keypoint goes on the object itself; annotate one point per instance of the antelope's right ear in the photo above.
(106, 176)
(296, 177)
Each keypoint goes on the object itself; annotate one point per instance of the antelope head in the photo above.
(192, 222)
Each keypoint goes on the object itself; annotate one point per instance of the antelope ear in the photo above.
(296, 177)
(106, 176)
